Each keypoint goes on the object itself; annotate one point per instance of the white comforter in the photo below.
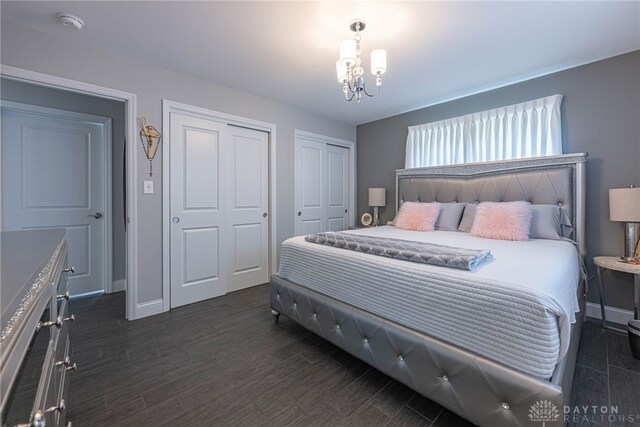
(516, 309)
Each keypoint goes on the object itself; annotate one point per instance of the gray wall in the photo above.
(28, 49)
(11, 90)
(600, 116)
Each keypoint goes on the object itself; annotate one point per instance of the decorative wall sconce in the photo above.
(148, 133)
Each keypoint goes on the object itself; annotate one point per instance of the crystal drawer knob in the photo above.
(60, 408)
(57, 323)
(68, 365)
(66, 296)
(38, 419)
(71, 269)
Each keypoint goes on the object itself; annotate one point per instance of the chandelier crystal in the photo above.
(349, 67)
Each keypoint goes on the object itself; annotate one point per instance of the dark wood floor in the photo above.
(226, 362)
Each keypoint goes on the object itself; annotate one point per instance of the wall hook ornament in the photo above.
(148, 133)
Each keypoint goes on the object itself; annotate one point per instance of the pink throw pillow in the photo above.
(502, 221)
(417, 216)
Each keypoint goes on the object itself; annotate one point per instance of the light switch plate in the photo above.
(148, 187)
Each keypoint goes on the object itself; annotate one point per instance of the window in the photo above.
(529, 129)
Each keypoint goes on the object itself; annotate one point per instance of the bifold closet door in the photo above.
(321, 187)
(219, 199)
(198, 194)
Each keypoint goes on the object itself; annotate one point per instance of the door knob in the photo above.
(175, 220)
(264, 215)
(96, 215)
(346, 210)
(299, 213)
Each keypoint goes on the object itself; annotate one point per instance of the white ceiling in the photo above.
(286, 51)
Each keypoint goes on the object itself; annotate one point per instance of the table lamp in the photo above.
(624, 206)
(377, 197)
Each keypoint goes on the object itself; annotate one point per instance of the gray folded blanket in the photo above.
(425, 253)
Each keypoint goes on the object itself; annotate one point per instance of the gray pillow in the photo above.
(545, 222)
(467, 217)
(449, 218)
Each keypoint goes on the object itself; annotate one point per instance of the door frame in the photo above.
(106, 161)
(351, 145)
(169, 107)
(134, 310)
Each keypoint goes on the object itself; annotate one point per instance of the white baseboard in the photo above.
(614, 314)
(119, 285)
(149, 308)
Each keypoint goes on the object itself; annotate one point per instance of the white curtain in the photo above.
(529, 129)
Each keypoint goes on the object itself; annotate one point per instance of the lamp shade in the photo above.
(378, 61)
(377, 197)
(624, 204)
(347, 52)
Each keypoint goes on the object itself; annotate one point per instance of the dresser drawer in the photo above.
(47, 402)
(62, 375)
(64, 366)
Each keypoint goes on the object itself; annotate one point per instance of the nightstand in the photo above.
(613, 263)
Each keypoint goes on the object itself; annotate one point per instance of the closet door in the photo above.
(199, 165)
(248, 183)
(310, 176)
(337, 178)
(321, 186)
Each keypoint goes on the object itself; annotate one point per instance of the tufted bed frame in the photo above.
(484, 392)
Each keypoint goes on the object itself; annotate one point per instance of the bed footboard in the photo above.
(478, 389)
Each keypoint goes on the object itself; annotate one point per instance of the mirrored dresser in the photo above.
(34, 342)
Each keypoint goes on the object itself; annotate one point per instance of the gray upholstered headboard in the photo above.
(559, 180)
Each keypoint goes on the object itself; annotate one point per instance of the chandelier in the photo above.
(349, 66)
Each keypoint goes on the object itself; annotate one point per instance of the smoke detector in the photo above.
(69, 20)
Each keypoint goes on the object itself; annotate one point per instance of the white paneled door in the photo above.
(321, 186)
(218, 201)
(248, 206)
(337, 187)
(310, 164)
(54, 176)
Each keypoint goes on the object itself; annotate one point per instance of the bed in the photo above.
(487, 344)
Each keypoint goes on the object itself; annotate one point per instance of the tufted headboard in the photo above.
(558, 180)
